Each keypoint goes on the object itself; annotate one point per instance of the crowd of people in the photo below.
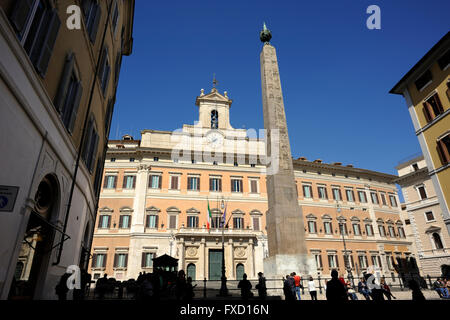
(165, 284)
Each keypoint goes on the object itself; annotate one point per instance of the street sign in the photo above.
(8, 195)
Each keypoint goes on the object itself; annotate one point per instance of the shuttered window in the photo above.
(155, 182)
(92, 14)
(147, 259)
(172, 222)
(350, 195)
(307, 191)
(108, 116)
(151, 221)
(256, 224)
(192, 222)
(99, 260)
(362, 196)
(328, 227)
(432, 107)
(215, 184)
(312, 227)
(238, 223)
(253, 186)
(125, 221)
(443, 147)
(69, 94)
(115, 16)
(174, 182)
(105, 70)
(110, 182)
(194, 183)
(369, 230)
(37, 25)
(90, 145)
(236, 185)
(120, 260)
(322, 192)
(129, 182)
(104, 221)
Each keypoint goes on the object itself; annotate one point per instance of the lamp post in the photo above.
(223, 292)
(346, 262)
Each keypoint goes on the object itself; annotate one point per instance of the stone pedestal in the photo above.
(285, 226)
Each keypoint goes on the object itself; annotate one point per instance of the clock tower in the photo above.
(214, 110)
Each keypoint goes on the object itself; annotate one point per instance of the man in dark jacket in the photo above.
(335, 289)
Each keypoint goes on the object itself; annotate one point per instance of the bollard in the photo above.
(204, 288)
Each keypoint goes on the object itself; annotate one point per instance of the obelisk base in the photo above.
(278, 266)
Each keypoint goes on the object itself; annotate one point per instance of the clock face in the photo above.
(214, 139)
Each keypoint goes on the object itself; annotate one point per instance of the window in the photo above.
(252, 165)
(318, 259)
(307, 191)
(375, 261)
(253, 186)
(333, 261)
(120, 260)
(389, 260)
(151, 221)
(216, 222)
(214, 119)
(99, 260)
(112, 159)
(155, 182)
(415, 166)
(236, 185)
(147, 259)
(194, 183)
(115, 16)
(172, 222)
(432, 107)
(350, 195)
(422, 192)
(362, 196)
(129, 182)
(327, 226)
(429, 216)
(392, 200)
(238, 223)
(423, 80)
(192, 222)
(155, 158)
(362, 261)
(401, 232)
(90, 145)
(174, 182)
(132, 159)
(68, 96)
(444, 61)
(437, 241)
(312, 227)
(92, 13)
(343, 228)
(110, 182)
(215, 184)
(256, 223)
(124, 221)
(36, 24)
(374, 197)
(391, 231)
(443, 147)
(337, 194)
(322, 192)
(383, 199)
(104, 221)
(382, 230)
(356, 229)
(369, 230)
(105, 70)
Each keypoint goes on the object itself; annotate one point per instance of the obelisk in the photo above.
(285, 227)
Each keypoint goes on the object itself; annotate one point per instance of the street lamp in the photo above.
(223, 292)
(346, 260)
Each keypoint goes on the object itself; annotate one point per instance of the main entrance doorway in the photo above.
(215, 264)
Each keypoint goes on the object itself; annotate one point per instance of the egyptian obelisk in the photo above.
(285, 227)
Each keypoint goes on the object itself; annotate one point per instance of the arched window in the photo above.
(437, 241)
(239, 271)
(19, 269)
(214, 119)
(191, 270)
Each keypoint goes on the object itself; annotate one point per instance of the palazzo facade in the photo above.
(156, 190)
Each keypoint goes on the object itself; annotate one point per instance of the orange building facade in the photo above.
(153, 203)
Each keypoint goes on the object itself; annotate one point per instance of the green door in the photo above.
(215, 264)
(240, 271)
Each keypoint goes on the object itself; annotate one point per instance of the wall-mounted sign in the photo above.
(8, 195)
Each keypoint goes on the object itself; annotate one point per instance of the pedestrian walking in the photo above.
(261, 286)
(288, 289)
(312, 288)
(189, 290)
(61, 288)
(417, 294)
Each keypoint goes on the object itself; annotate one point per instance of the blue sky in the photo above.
(335, 73)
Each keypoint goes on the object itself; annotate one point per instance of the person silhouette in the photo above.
(261, 286)
(61, 288)
(335, 289)
(417, 294)
(245, 287)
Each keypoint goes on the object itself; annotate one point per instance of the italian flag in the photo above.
(208, 222)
